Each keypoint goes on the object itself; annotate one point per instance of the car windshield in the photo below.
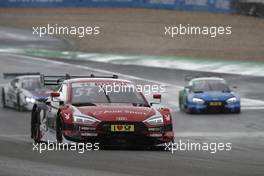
(31, 83)
(210, 85)
(90, 94)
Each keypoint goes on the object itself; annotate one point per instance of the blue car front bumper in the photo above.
(204, 108)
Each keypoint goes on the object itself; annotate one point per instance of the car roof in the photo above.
(101, 80)
(208, 79)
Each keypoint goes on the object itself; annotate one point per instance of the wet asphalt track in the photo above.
(244, 131)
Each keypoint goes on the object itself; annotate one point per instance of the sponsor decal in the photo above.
(167, 117)
(122, 128)
(121, 118)
(66, 116)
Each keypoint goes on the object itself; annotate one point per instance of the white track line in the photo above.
(252, 108)
(257, 104)
(96, 70)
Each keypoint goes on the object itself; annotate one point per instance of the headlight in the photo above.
(30, 100)
(231, 100)
(198, 100)
(155, 120)
(85, 120)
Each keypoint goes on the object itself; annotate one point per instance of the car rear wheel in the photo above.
(3, 98)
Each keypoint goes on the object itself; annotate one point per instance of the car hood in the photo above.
(214, 95)
(116, 112)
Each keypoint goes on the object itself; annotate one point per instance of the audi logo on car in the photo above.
(121, 118)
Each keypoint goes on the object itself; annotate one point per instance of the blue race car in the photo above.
(208, 94)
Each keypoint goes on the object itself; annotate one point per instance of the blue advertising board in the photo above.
(219, 6)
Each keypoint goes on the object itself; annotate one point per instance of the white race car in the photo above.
(23, 91)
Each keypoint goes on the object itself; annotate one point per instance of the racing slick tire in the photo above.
(238, 111)
(157, 148)
(189, 111)
(35, 125)
(3, 98)
(59, 129)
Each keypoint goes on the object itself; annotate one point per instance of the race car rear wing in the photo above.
(13, 75)
(57, 80)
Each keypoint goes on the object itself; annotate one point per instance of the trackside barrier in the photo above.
(215, 6)
(249, 7)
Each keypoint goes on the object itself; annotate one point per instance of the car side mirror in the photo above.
(54, 94)
(156, 97)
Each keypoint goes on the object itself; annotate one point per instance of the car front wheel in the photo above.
(35, 126)
(59, 129)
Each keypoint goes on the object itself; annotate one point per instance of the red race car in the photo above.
(84, 110)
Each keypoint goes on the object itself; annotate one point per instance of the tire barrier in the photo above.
(249, 7)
